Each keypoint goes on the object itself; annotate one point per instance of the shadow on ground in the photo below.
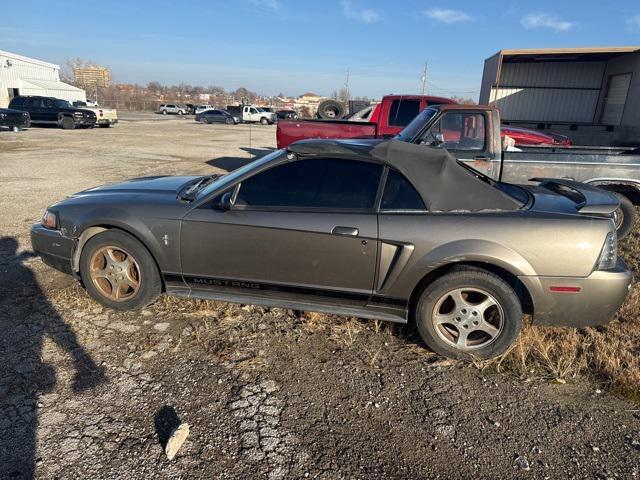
(27, 318)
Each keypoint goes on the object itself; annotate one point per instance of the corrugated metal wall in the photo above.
(549, 91)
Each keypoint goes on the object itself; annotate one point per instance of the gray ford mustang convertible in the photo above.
(389, 230)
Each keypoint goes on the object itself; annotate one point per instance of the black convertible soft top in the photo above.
(442, 182)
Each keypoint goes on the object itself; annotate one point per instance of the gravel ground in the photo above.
(268, 393)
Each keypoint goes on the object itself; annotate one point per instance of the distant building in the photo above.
(21, 75)
(308, 101)
(593, 93)
(92, 76)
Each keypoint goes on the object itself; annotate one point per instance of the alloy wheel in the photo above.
(468, 318)
(115, 273)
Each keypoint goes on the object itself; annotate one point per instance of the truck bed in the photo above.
(289, 131)
(585, 164)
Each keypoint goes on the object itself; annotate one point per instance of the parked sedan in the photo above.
(14, 119)
(217, 116)
(349, 228)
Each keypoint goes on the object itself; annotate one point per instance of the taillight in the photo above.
(101, 113)
(609, 254)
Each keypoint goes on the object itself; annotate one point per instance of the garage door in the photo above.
(615, 99)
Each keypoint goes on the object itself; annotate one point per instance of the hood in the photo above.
(146, 185)
(525, 136)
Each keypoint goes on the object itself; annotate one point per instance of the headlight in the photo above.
(3, 115)
(609, 254)
(50, 220)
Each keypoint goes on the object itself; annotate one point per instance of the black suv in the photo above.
(54, 111)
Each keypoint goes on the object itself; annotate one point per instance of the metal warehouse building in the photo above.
(27, 76)
(594, 93)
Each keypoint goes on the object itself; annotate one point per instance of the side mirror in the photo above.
(226, 202)
(438, 139)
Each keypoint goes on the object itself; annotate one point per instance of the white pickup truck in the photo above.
(257, 114)
(105, 116)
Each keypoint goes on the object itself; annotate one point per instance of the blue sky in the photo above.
(293, 46)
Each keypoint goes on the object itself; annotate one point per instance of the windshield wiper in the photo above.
(189, 192)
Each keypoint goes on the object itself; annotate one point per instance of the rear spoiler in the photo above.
(591, 199)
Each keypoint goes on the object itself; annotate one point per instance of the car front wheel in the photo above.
(264, 121)
(119, 272)
(469, 314)
(67, 123)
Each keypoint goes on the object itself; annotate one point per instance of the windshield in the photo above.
(417, 124)
(62, 104)
(221, 182)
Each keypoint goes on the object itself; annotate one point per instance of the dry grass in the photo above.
(609, 354)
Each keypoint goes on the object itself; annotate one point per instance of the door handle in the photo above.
(345, 231)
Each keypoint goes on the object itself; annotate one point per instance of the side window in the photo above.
(253, 110)
(399, 194)
(403, 111)
(458, 131)
(314, 183)
(47, 103)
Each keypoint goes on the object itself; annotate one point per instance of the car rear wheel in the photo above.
(164, 112)
(469, 314)
(67, 123)
(624, 216)
(180, 112)
(119, 272)
(204, 120)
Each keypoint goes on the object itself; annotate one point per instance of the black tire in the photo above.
(164, 112)
(229, 121)
(67, 123)
(331, 110)
(625, 216)
(104, 125)
(15, 129)
(180, 112)
(150, 284)
(442, 338)
(264, 121)
(204, 120)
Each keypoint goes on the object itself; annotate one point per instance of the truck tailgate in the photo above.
(289, 131)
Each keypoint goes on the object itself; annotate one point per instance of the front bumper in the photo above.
(53, 248)
(107, 121)
(15, 121)
(601, 295)
(84, 121)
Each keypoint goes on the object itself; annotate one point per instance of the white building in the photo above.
(27, 76)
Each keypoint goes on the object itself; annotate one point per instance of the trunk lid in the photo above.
(559, 194)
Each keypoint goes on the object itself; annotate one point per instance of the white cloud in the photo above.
(355, 12)
(544, 20)
(633, 24)
(447, 16)
(270, 4)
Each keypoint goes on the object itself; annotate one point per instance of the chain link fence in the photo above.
(132, 105)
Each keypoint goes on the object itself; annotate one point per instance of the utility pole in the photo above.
(424, 79)
(346, 87)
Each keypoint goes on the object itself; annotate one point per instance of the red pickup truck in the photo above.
(388, 118)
